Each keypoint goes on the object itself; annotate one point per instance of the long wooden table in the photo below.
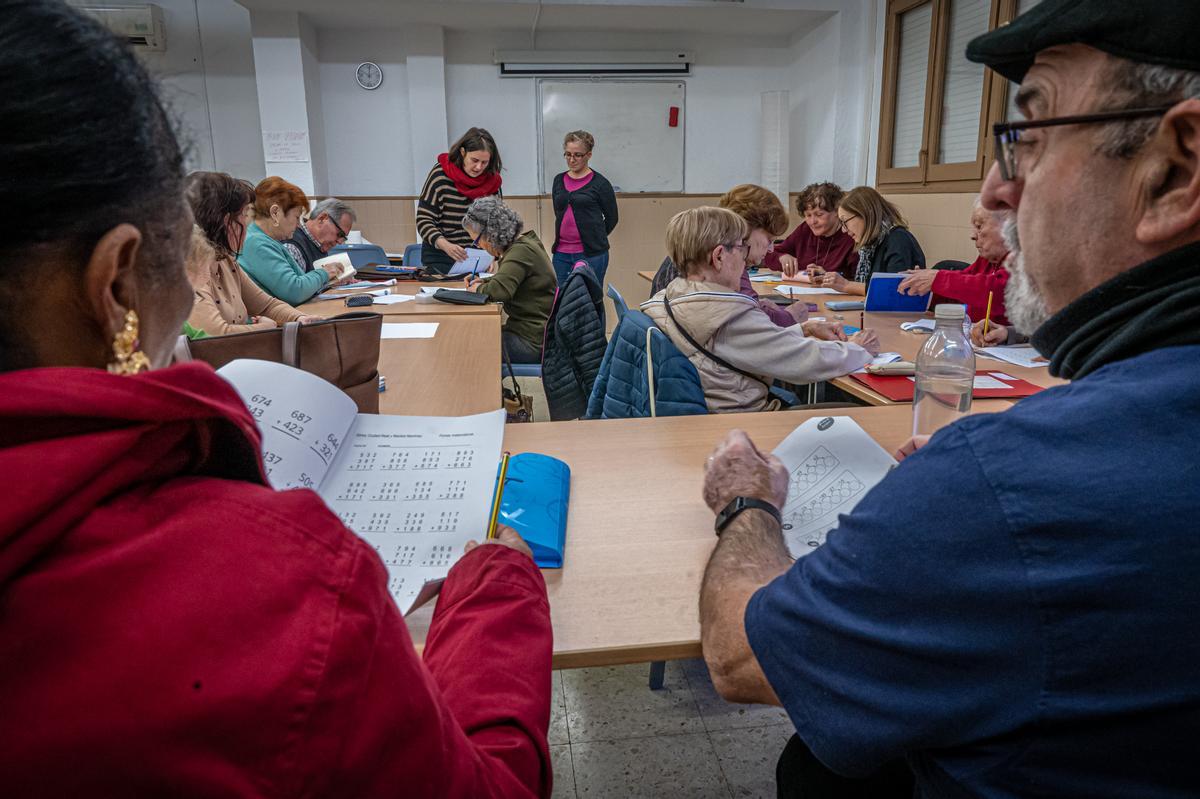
(455, 373)
(638, 533)
(767, 289)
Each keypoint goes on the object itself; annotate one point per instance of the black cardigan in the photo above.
(898, 252)
(595, 207)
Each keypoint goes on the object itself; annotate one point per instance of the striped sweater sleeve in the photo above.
(428, 207)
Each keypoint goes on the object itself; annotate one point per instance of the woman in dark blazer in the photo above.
(585, 210)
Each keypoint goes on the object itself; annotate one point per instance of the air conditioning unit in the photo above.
(561, 63)
(141, 26)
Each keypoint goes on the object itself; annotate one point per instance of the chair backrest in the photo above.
(644, 374)
(412, 255)
(618, 301)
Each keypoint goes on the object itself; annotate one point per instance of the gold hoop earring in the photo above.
(128, 359)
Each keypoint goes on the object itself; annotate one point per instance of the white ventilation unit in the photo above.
(560, 63)
(140, 26)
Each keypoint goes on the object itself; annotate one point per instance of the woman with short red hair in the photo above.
(277, 209)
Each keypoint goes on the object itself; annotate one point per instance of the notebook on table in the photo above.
(883, 295)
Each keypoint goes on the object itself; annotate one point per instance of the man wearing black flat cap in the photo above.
(1012, 611)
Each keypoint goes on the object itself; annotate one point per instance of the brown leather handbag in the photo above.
(343, 350)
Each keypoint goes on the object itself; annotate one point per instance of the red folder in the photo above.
(899, 388)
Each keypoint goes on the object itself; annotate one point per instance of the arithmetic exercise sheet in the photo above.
(831, 464)
(416, 488)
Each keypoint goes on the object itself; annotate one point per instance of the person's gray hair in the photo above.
(490, 218)
(335, 208)
(998, 215)
(1138, 85)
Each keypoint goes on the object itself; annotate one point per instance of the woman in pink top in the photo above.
(585, 210)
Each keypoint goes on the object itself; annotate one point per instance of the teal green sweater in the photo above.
(269, 265)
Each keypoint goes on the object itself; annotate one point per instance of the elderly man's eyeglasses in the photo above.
(1008, 134)
(342, 235)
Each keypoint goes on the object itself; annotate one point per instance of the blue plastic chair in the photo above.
(618, 301)
(521, 370)
(412, 255)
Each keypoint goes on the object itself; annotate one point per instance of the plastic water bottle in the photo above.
(966, 324)
(945, 373)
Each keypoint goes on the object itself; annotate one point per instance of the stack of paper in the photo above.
(1022, 355)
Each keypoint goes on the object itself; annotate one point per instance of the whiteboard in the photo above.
(636, 147)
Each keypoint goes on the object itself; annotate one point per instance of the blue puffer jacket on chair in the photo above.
(574, 345)
(623, 388)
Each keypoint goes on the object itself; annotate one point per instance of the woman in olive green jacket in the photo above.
(522, 277)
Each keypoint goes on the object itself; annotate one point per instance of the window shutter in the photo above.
(962, 96)
(911, 76)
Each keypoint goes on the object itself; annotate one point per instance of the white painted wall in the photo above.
(366, 132)
(723, 137)
(207, 79)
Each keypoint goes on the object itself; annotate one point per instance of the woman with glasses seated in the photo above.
(172, 625)
(585, 210)
(227, 300)
(277, 208)
(881, 238)
(521, 278)
(737, 349)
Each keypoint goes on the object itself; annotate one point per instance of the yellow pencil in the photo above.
(987, 314)
(491, 533)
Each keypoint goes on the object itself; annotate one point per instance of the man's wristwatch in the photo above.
(739, 504)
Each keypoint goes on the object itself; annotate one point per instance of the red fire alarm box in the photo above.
(673, 117)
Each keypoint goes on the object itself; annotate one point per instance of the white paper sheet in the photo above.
(1001, 376)
(830, 470)
(408, 330)
(416, 488)
(767, 277)
(921, 324)
(302, 428)
(791, 291)
(476, 261)
(341, 295)
(1017, 356)
(392, 299)
(369, 284)
(340, 261)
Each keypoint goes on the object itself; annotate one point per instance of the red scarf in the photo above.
(472, 188)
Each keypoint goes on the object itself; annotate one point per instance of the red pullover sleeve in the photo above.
(469, 721)
(777, 313)
(971, 287)
(789, 246)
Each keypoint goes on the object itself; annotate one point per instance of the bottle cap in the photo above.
(948, 310)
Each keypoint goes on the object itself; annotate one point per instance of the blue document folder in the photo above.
(537, 489)
(883, 296)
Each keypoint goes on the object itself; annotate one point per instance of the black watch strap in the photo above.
(739, 504)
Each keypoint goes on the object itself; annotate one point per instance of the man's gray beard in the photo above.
(1023, 305)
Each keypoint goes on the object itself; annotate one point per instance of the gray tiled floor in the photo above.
(611, 736)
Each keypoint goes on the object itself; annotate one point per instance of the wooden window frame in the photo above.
(928, 176)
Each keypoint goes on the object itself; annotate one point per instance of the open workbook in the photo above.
(832, 463)
(416, 488)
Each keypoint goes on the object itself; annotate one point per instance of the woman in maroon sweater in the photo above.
(171, 625)
(819, 240)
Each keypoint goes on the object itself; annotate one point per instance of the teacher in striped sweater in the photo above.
(470, 170)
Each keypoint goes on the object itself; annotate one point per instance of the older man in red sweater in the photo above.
(971, 286)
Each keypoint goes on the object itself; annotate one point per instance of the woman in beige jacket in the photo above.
(704, 315)
(229, 301)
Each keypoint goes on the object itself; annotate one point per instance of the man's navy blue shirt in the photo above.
(1016, 608)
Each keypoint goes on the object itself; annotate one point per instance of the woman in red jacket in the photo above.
(171, 625)
(971, 286)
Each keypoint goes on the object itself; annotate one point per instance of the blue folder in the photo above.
(534, 503)
(883, 296)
